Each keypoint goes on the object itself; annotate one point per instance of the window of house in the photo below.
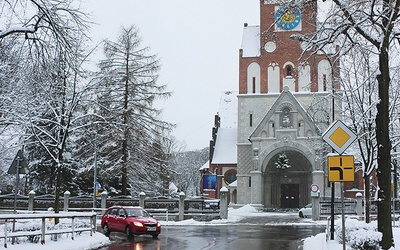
(324, 82)
(251, 120)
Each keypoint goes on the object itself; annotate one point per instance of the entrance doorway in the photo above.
(289, 195)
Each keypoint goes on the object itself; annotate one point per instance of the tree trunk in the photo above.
(126, 131)
(367, 196)
(124, 168)
(383, 141)
(57, 194)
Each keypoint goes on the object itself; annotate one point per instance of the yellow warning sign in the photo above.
(341, 168)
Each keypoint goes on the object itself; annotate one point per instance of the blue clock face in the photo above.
(287, 18)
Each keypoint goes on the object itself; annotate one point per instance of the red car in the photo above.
(129, 220)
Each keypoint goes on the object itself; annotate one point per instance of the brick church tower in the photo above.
(284, 105)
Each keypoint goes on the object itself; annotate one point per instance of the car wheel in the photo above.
(155, 236)
(301, 215)
(106, 230)
(128, 232)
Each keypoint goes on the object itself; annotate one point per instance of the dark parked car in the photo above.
(129, 220)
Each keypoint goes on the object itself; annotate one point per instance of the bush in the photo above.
(358, 234)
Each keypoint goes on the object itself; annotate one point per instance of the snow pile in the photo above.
(234, 215)
(358, 234)
(82, 241)
(318, 242)
(240, 213)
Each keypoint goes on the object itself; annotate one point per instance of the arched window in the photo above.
(324, 75)
(253, 78)
(288, 70)
(273, 77)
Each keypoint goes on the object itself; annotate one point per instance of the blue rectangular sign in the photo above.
(209, 181)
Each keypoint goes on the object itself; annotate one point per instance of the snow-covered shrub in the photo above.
(358, 234)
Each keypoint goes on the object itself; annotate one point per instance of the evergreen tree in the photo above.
(126, 92)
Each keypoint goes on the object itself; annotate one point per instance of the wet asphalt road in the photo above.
(280, 232)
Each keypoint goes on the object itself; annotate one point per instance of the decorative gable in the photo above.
(285, 116)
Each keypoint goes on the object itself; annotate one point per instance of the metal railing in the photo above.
(11, 218)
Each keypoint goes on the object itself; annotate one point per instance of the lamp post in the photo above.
(95, 184)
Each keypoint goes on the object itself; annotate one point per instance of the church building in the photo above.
(284, 104)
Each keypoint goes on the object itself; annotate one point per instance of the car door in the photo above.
(121, 220)
(112, 219)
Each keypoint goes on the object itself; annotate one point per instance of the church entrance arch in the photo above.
(287, 178)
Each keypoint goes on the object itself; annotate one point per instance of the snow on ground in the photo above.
(318, 242)
(85, 241)
(81, 242)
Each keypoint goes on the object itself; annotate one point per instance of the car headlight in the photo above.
(158, 224)
(137, 224)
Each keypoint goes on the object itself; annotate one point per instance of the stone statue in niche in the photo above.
(285, 120)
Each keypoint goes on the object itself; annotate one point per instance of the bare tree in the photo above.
(44, 24)
(50, 117)
(376, 23)
(46, 35)
(187, 165)
(359, 68)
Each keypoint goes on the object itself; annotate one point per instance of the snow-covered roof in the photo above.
(205, 166)
(251, 41)
(233, 184)
(228, 109)
(225, 146)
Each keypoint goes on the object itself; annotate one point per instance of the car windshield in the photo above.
(136, 213)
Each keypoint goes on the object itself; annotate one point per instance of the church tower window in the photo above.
(324, 75)
(253, 78)
(288, 76)
(254, 85)
(288, 71)
(273, 78)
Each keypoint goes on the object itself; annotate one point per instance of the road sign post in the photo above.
(340, 168)
(18, 166)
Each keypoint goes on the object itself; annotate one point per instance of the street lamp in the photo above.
(95, 183)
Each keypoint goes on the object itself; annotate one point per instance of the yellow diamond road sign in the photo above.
(339, 136)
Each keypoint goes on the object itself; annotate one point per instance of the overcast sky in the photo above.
(198, 42)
